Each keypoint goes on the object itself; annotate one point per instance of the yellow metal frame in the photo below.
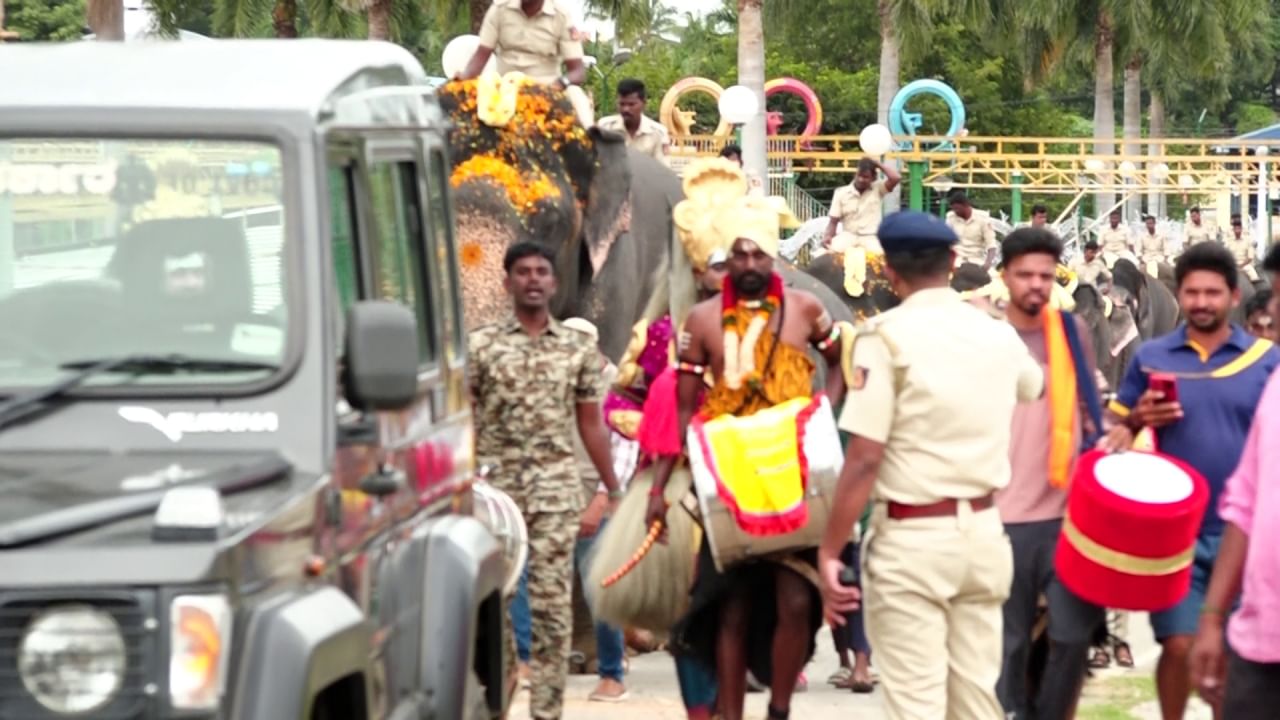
(1042, 165)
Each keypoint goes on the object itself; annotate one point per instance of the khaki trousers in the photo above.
(934, 590)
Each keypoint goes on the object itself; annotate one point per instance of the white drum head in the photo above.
(1143, 477)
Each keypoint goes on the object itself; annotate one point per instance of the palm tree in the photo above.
(105, 19)
(904, 25)
(636, 22)
(751, 75)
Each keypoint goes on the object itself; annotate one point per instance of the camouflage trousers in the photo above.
(551, 540)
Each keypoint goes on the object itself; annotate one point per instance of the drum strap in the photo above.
(1088, 389)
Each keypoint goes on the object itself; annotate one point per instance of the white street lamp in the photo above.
(738, 105)
(875, 139)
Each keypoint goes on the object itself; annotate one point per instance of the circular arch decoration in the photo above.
(812, 106)
(902, 122)
(678, 126)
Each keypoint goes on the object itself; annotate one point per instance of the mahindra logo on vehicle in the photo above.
(176, 424)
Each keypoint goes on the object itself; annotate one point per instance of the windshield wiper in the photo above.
(22, 406)
(157, 364)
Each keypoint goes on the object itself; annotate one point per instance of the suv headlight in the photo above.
(72, 658)
(200, 635)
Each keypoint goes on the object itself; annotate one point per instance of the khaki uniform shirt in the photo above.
(651, 139)
(976, 234)
(1199, 233)
(859, 213)
(1088, 270)
(1153, 247)
(1115, 240)
(525, 391)
(938, 382)
(534, 45)
(1241, 248)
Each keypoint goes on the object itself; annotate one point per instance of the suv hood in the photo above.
(47, 495)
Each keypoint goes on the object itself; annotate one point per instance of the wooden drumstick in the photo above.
(654, 531)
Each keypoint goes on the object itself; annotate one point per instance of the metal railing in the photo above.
(1044, 165)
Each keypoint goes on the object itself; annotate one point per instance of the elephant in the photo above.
(828, 269)
(1154, 307)
(603, 210)
(544, 178)
(1112, 329)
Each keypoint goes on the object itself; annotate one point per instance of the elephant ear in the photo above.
(608, 207)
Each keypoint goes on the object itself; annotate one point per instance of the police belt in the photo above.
(943, 508)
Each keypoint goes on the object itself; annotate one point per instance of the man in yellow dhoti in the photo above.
(761, 615)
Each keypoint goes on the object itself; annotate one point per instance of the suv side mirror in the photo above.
(381, 356)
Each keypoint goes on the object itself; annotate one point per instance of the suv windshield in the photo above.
(114, 248)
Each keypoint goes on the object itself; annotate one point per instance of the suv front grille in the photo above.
(134, 612)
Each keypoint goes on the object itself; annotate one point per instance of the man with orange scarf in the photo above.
(1047, 436)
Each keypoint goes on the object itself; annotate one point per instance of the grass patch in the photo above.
(1114, 698)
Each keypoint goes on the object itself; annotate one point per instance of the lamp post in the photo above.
(944, 185)
(621, 56)
(1264, 210)
(738, 105)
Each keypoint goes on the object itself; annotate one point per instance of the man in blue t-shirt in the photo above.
(1220, 372)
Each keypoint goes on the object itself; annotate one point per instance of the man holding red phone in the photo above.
(1197, 387)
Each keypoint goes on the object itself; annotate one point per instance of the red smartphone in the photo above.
(1166, 383)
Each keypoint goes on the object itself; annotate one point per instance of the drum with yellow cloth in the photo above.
(1128, 539)
(765, 482)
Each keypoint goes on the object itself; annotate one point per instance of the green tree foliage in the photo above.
(45, 19)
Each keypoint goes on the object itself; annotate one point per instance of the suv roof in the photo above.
(295, 76)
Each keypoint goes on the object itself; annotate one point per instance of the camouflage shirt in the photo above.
(526, 390)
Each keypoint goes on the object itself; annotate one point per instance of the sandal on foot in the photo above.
(862, 687)
(1100, 659)
(1122, 654)
(840, 676)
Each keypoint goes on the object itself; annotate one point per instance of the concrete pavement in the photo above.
(655, 694)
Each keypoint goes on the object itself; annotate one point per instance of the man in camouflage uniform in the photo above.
(532, 379)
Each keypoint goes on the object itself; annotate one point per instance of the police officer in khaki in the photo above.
(1197, 231)
(645, 135)
(534, 37)
(977, 237)
(1241, 247)
(858, 207)
(930, 408)
(1116, 241)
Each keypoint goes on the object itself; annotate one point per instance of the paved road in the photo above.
(655, 694)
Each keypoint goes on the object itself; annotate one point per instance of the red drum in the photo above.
(1129, 537)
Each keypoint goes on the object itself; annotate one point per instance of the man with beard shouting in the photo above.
(760, 615)
(1220, 372)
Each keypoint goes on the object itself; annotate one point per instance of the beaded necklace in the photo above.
(744, 321)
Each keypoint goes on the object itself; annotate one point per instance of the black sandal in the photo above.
(1123, 655)
(776, 714)
(1100, 659)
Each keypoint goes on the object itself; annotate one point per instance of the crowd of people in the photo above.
(960, 426)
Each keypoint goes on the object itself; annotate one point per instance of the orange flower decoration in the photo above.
(470, 255)
(523, 190)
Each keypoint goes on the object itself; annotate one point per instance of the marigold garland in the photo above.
(543, 140)
(740, 342)
(524, 190)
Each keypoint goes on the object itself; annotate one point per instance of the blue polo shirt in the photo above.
(1219, 392)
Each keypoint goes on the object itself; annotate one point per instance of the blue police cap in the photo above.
(910, 230)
